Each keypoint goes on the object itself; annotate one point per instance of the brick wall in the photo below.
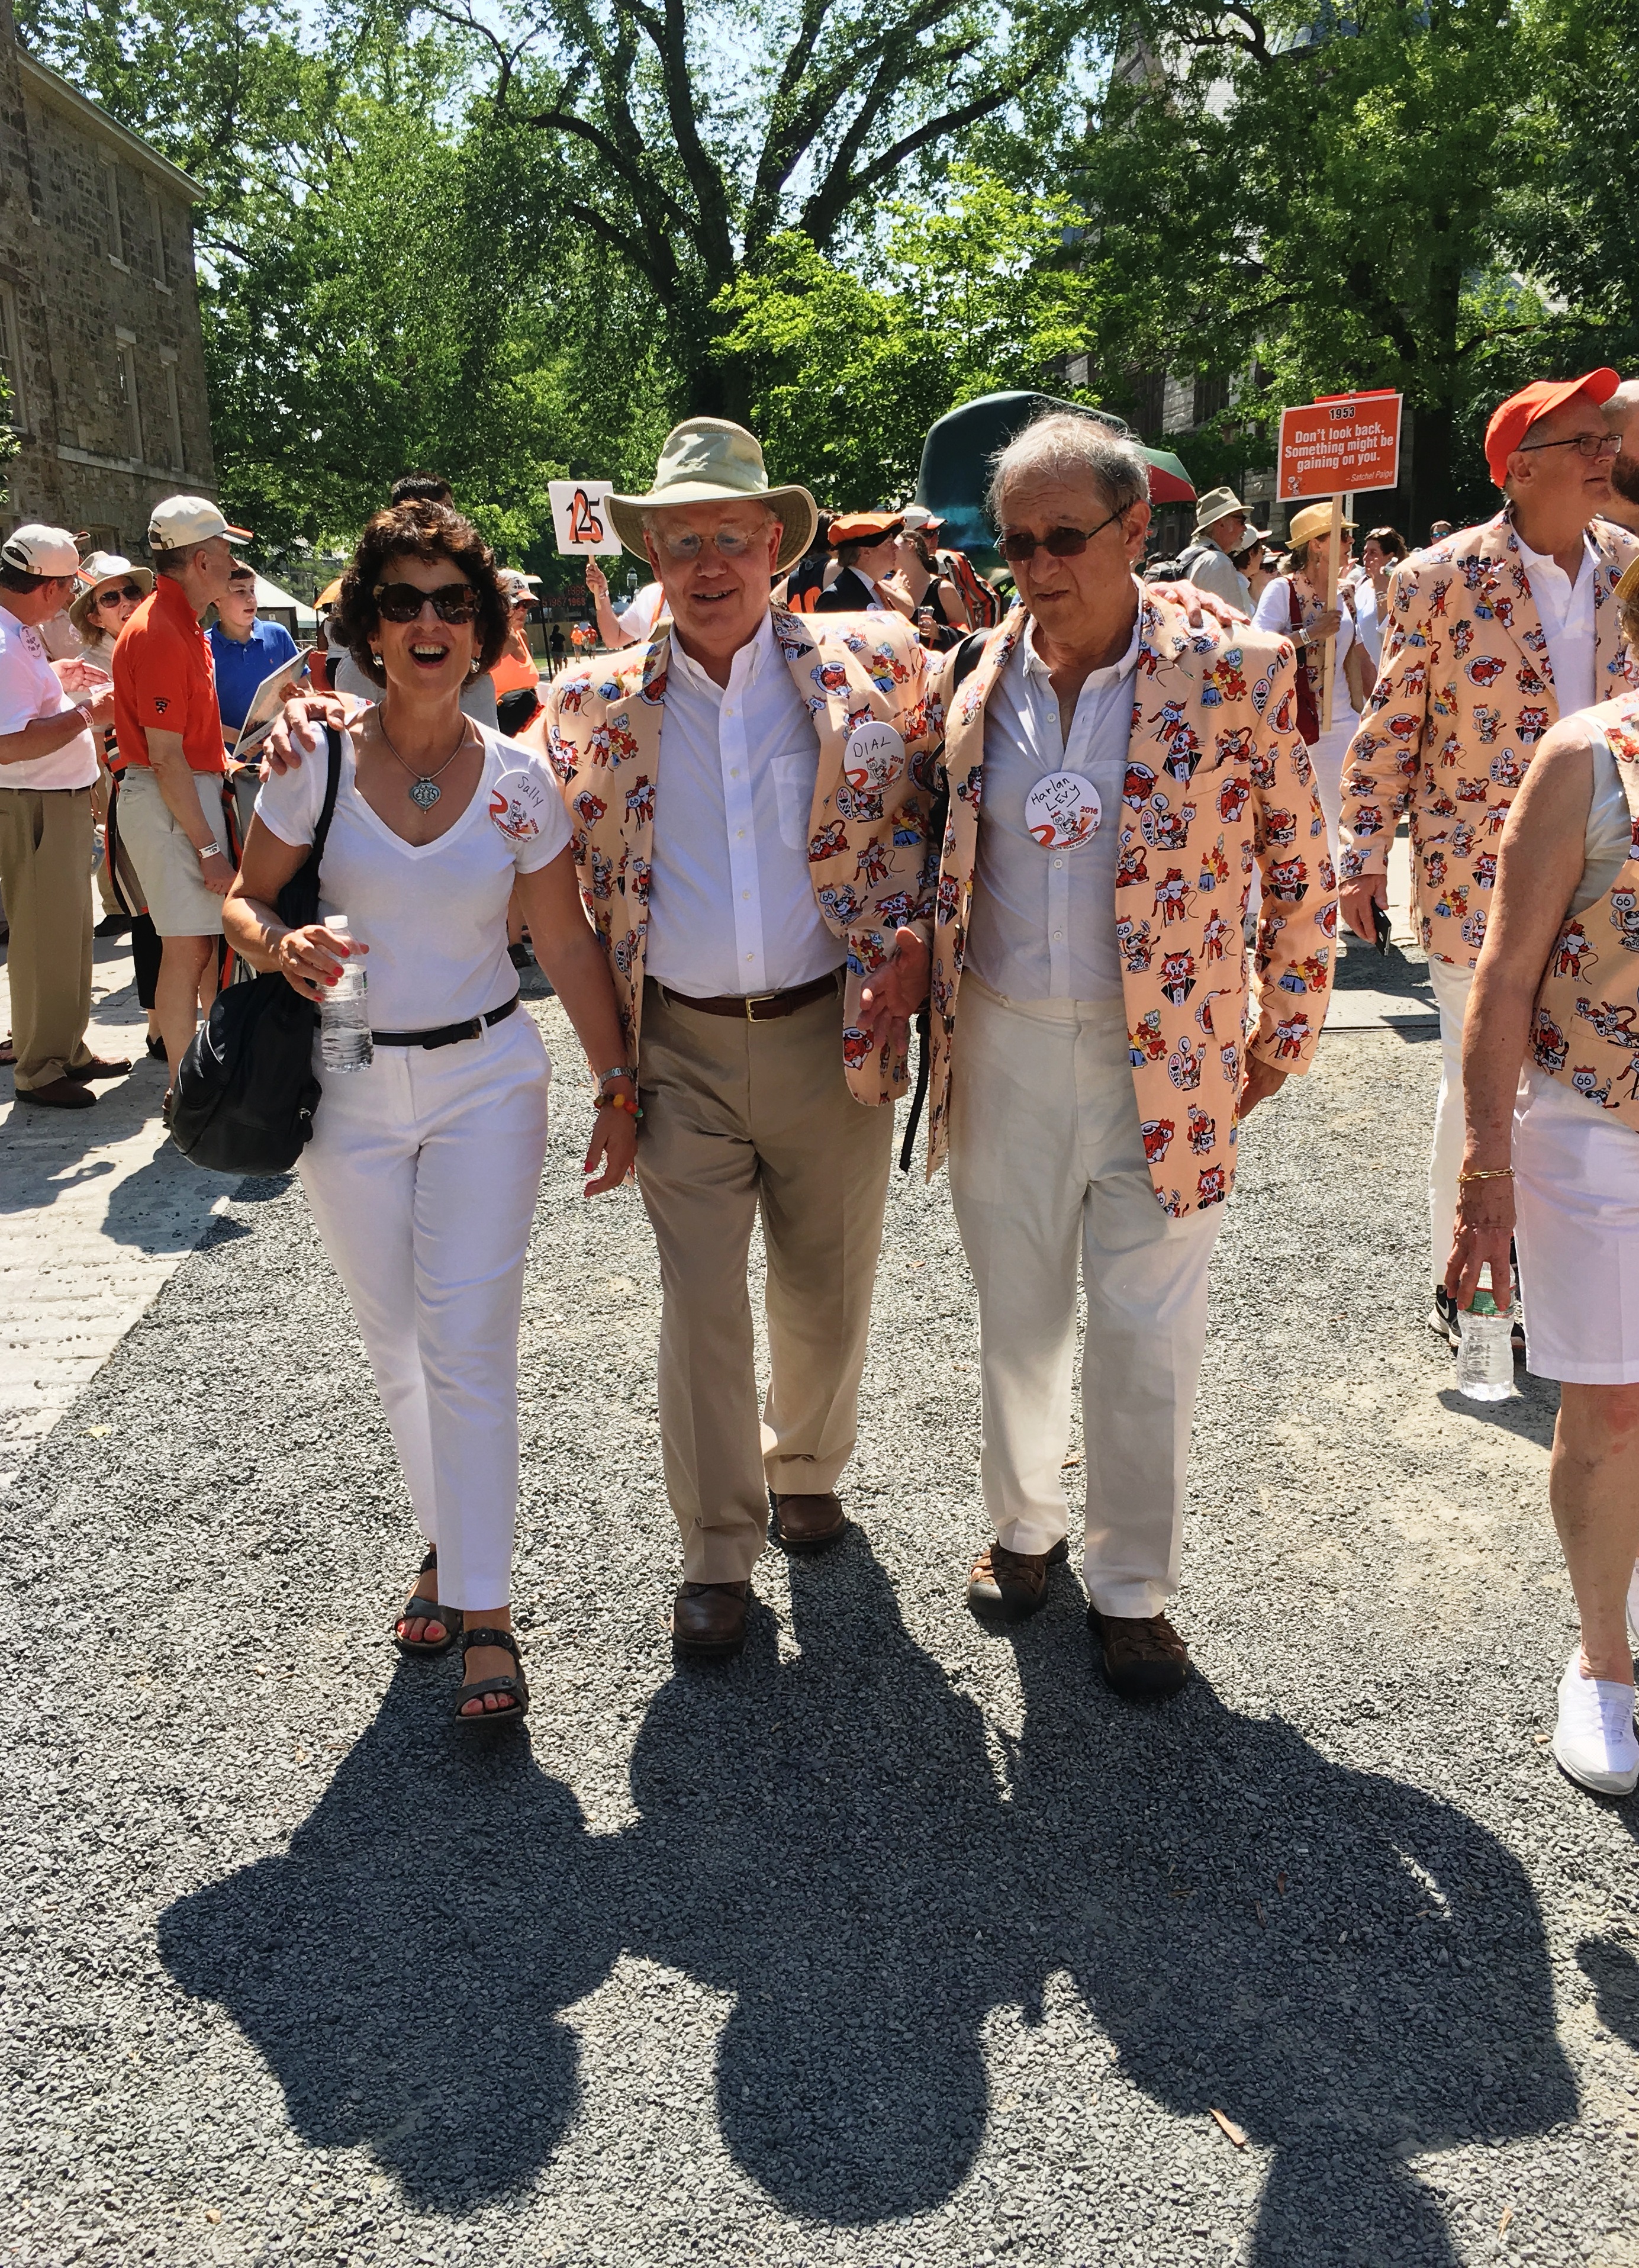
(99, 317)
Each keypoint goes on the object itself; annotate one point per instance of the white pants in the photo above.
(422, 1176)
(1451, 986)
(1326, 758)
(1045, 1155)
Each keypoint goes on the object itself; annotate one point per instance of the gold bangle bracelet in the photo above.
(1490, 1173)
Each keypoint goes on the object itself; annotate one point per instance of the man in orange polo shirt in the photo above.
(172, 819)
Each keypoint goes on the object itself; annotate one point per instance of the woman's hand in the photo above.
(1485, 1231)
(1325, 625)
(614, 1145)
(597, 581)
(310, 960)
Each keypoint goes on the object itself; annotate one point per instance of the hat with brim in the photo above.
(708, 461)
(331, 595)
(919, 520)
(101, 569)
(1218, 503)
(1513, 419)
(869, 527)
(1314, 519)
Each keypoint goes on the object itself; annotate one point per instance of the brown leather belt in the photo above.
(757, 1007)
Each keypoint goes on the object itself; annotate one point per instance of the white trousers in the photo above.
(422, 1176)
(1046, 1157)
(1450, 986)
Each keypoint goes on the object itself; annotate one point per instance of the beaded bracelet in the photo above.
(620, 1102)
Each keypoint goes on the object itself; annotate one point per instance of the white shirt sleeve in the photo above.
(555, 833)
(26, 683)
(287, 804)
(1275, 607)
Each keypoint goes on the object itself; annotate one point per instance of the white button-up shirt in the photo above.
(730, 900)
(1565, 610)
(1043, 922)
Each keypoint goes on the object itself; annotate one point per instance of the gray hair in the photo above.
(1059, 445)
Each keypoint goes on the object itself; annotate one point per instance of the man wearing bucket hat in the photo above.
(750, 799)
(172, 814)
(1222, 525)
(47, 769)
(1492, 635)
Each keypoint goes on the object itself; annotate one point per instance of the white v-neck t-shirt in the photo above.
(433, 914)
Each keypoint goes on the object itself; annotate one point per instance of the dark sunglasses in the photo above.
(402, 602)
(126, 591)
(1058, 542)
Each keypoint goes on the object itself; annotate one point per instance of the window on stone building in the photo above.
(130, 414)
(156, 229)
(12, 359)
(111, 200)
(173, 408)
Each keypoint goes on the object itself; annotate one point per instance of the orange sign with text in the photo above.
(1342, 443)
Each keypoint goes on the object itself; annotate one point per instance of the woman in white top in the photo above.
(424, 1166)
(111, 591)
(1553, 1158)
(1294, 605)
(1380, 555)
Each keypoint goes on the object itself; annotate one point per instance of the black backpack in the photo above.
(245, 1091)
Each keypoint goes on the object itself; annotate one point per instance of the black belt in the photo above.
(446, 1035)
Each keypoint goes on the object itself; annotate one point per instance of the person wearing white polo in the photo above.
(170, 733)
(47, 771)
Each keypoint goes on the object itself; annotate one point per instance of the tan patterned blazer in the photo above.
(1466, 693)
(1218, 781)
(868, 850)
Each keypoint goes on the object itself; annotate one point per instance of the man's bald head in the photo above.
(1621, 415)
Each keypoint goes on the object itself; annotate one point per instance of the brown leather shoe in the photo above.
(1016, 1581)
(806, 1524)
(1144, 1658)
(58, 1095)
(99, 1067)
(708, 1619)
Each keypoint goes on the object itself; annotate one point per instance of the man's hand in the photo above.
(1259, 1081)
(100, 718)
(1199, 603)
(279, 750)
(1355, 901)
(79, 678)
(896, 991)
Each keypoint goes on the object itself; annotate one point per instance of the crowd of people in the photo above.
(820, 788)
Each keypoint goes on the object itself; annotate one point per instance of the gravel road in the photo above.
(898, 1940)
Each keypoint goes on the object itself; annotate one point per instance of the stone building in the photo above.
(99, 338)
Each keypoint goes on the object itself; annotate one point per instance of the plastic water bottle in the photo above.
(1485, 1350)
(345, 1040)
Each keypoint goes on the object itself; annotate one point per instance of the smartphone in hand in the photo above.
(1382, 924)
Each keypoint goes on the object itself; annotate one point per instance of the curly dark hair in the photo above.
(428, 532)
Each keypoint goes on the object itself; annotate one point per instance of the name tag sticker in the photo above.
(1063, 811)
(518, 804)
(874, 756)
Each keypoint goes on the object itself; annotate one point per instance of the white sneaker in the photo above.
(1594, 1740)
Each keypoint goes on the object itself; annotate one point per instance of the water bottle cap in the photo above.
(336, 922)
(1483, 1304)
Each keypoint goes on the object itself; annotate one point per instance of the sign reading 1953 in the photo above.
(1342, 443)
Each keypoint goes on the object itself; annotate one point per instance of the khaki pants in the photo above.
(45, 841)
(1047, 1167)
(741, 1118)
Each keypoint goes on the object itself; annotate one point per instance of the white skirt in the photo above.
(1576, 1191)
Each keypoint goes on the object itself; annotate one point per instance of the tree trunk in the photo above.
(1434, 486)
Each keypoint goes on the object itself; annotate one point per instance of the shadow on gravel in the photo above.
(827, 1839)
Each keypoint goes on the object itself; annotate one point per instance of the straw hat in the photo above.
(707, 460)
(1314, 519)
(99, 568)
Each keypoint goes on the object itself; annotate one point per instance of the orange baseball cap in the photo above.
(865, 527)
(1513, 419)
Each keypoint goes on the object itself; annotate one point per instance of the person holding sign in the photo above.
(1294, 605)
(750, 799)
(1490, 636)
(1115, 775)
(424, 1166)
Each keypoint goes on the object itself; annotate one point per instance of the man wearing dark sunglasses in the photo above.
(1490, 636)
(1115, 775)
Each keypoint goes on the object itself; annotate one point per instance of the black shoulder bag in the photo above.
(245, 1091)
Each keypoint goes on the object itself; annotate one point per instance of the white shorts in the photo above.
(166, 863)
(1576, 1191)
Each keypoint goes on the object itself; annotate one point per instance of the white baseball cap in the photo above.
(39, 550)
(518, 586)
(183, 522)
(917, 515)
